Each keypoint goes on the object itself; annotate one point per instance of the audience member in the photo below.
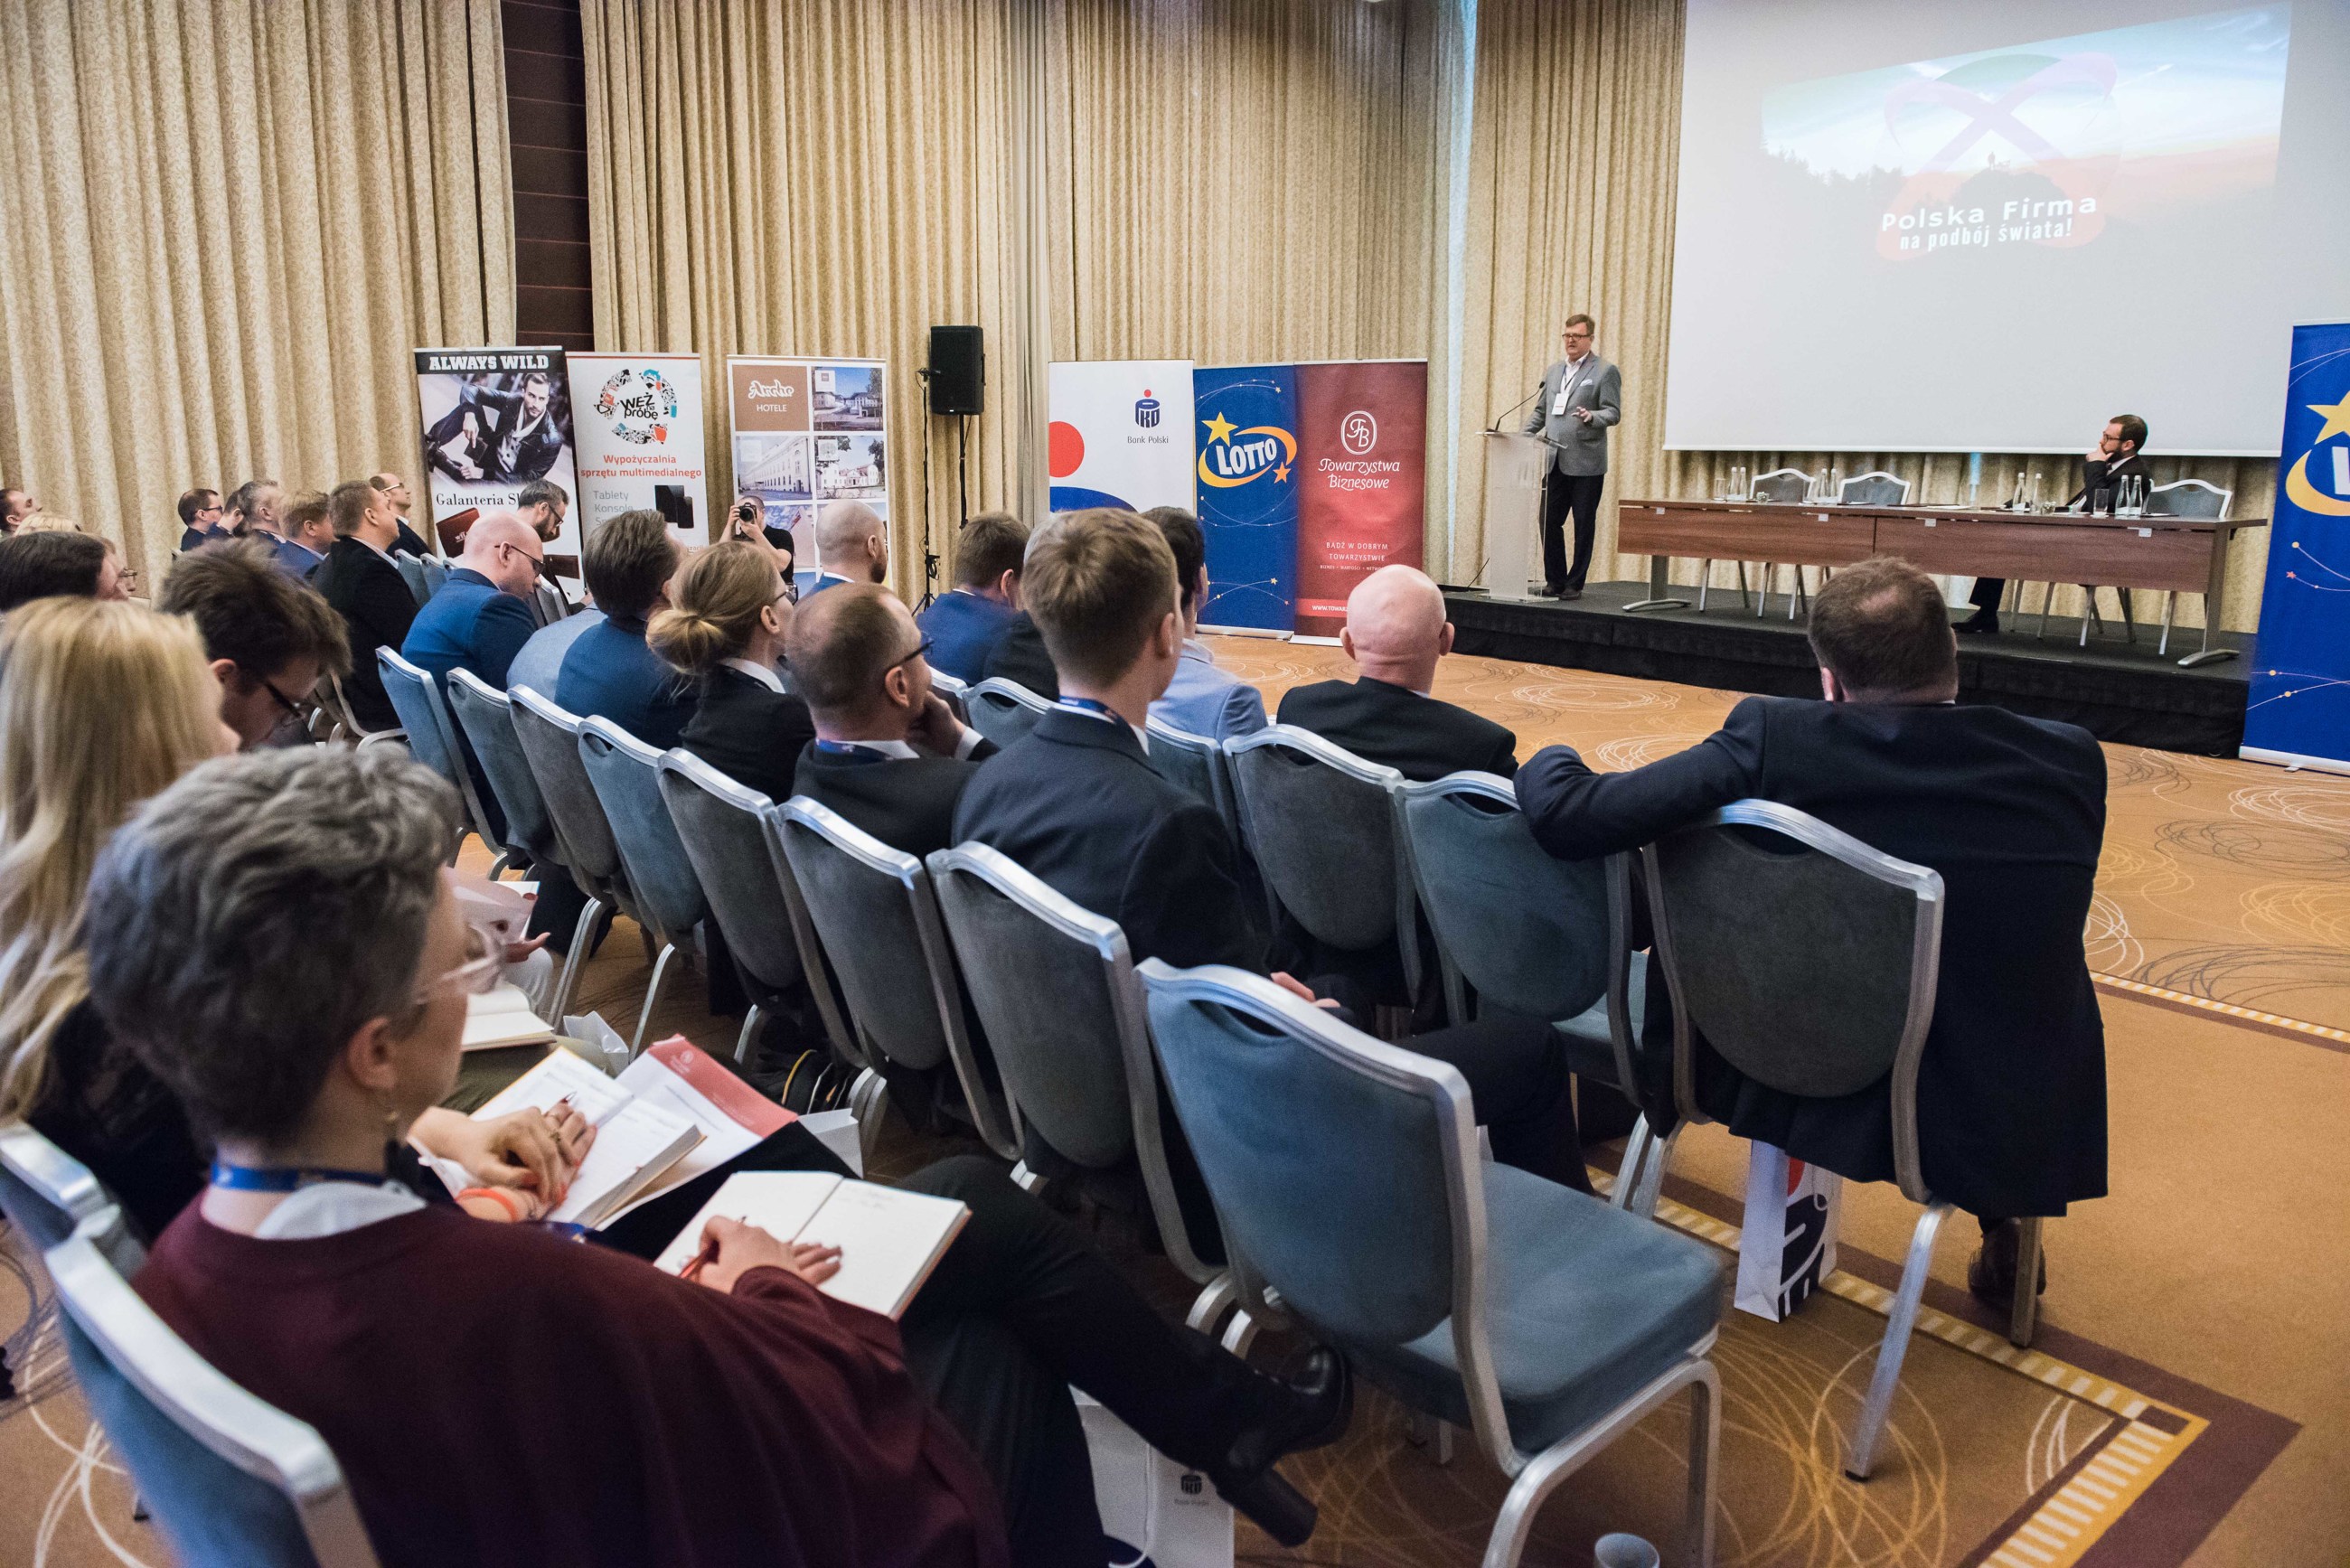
(724, 629)
(479, 619)
(748, 520)
(309, 533)
(16, 506)
(200, 519)
(277, 940)
(543, 504)
(253, 507)
(1078, 803)
(1396, 632)
(395, 490)
(38, 565)
(1201, 700)
(610, 672)
(888, 754)
(358, 579)
(270, 640)
(539, 665)
(64, 785)
(852, 545)
(2009, 810)
(964, 623)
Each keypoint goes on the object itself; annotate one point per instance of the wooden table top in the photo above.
(1958, 514)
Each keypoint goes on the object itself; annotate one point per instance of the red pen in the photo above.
(701, 1260)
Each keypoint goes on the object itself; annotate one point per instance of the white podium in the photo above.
(1513, 478)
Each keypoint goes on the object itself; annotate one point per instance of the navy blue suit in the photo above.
(610, 673)
(471, 624)
(963, 629)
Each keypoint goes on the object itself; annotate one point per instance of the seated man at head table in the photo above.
(2115, 457)
(2009, 810)
(963, 624)
(1201, 700)
(1077, 802)
(280, 943)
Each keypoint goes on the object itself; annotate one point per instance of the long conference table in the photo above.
(2183, 555)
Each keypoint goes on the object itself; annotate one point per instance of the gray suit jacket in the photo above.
(1579, 448)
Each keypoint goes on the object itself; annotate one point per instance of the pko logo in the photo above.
(1358, 433)
(1234, 457)
(1146, 411)
(2301, 486)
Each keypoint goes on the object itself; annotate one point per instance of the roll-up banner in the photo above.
(1246, 424)
(1362, 498)
(1121, 434)
(637, 420)
(2299, 709)
(806, 431)
(495, 420)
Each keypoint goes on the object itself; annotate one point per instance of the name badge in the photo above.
(1558, 404)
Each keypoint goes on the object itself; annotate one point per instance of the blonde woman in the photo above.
(67, 782)
(724, 626)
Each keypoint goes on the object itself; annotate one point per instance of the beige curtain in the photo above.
(229, 218)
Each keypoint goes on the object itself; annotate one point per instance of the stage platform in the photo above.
(2117, 690)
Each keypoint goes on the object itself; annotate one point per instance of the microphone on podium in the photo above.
(1496, 428)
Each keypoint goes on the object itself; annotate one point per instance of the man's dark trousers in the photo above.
(1562, 494)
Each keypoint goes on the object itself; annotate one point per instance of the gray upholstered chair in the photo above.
(1002, 709)
(876, 916)
(757, 908)
(1055, 989)
(549, 738)
(664, 895)
(1323, 834)
(1538, 936)
(412, 572)
(1544, 1321)
(484, 718)
(953, 692)
(2187, 498)
(1781, 486)
(342, 724)
(1833, 993)
(230, 1480)
(436, 572)
(546, 606)
(432, 740)
(46, 1193)
(1875, 488)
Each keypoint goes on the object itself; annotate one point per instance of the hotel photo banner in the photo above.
(637, 420)
(495, 420)
(2299, 710)
(806, 431)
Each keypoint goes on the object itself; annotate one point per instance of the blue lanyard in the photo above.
(287, 1177)
(849, 752)
(1099, 709)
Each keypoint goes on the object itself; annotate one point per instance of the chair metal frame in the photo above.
(1532, 1476)
(477, 820)
(2227, 499)
(237, 1427)
(71, 1190)
(998, 1125)
(1770, 569)
(1843, 491)
(980, 700)
(601, 896)
(596, 733)
(342, 723)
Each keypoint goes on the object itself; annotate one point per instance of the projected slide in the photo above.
(1987, 227)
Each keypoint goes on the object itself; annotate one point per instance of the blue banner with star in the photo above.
(2299, 710)
(1247, 429)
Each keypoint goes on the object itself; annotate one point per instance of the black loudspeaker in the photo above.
(958, 370)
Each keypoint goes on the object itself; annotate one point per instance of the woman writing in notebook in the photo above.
(302, 986)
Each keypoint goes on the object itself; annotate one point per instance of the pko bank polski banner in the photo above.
(1121, 434)
(2299, 710)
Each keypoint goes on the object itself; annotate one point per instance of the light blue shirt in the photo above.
(1206, 701)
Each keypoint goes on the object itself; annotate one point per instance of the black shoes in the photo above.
(1991, 1274)
(1548, 591)
(1564, 594)
(1981, 621)
(1321, 1402)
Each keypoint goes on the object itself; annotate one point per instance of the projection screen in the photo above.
(1986, 226)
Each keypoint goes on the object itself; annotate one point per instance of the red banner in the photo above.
(1362, 460)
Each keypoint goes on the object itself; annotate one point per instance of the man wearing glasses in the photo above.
(200, 519)
(269, 637)
(481, 618)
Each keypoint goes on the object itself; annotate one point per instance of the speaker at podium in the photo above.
(1514, 463)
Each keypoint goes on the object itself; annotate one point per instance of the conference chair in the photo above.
(1781, 486)
(46, 1193)
(342, 724)
(230, 1480)
(1877, 488)
(2188, 498)
(432, 740)
(1543, 1320)
(1056, 991)
(876, 916)
(412, 572)
(952, 692)
(662, 892)
(757, 907)
(1002, 709)
(436, 572)
(1833, 993)
(549, 739)
(1539, 937)
(546, 606)
(484, 718)
(1323, 832)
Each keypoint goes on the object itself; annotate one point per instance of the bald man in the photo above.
(852, 545)
(481, 618)
(1396, 632)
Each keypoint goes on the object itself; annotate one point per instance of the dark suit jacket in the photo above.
(750, 734)
(377, 608)
(471, 624)
(1020, 655)
(412, 541)
(2012, 812)
(907, 802)
(1421, 737)
(2100, 476)
(963, 629)
(610, 673)
(1076, 802)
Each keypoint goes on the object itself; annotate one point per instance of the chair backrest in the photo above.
(626, 775)
(719, 822)
(431, 733)
(412, 572)
(229, 1479)
(344, 724)
(953, 687)
(47, 1192)
(485, 718)
(1832, 991)
(1322, 831)
(550, 744)
(1055, 991)
(1195, 761)
(1783, 484)
(876, 915)
(2188, 498)
(436, 572)
(1876, 489)
(1002, 709)
(546, 606)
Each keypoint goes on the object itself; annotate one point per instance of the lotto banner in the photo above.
(806, 431)
(1121, 434)
(1246, 424)
(638, 422)
(1362, 461)
(2300, 707)
(495, 420)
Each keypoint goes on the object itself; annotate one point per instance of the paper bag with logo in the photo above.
(1156, 1513)
(1788, 1244)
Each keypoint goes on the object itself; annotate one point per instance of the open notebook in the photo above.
(889, 1240)
(636, 1139)
(502, 1017)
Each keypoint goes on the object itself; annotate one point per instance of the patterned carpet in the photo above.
(2186, 1401)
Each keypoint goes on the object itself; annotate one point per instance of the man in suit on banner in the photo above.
(1582, 395)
